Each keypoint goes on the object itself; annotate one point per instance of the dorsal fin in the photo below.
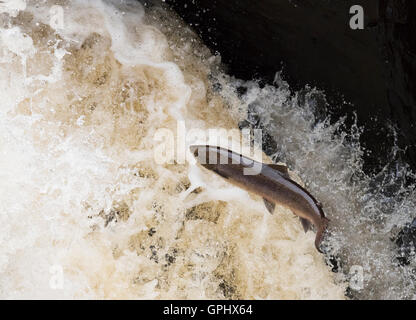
(281, 168)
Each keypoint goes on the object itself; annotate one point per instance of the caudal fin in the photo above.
(320, 233)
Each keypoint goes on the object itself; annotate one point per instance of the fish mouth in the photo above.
(196, 148)
(204, 155)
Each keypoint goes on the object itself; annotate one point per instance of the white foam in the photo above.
(79, 187)
(12, 7)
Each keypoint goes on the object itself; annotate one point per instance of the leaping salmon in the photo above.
(271, 182)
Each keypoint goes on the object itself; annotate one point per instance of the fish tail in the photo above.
(320, 233)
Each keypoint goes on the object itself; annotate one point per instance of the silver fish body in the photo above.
(270, 181)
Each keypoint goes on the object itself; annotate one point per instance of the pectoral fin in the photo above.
(305, 224)
(269, 205)
(281, 168)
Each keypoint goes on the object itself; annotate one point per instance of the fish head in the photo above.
(210, 157)
(195, 149)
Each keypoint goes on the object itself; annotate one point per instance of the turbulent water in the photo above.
(87, 212)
